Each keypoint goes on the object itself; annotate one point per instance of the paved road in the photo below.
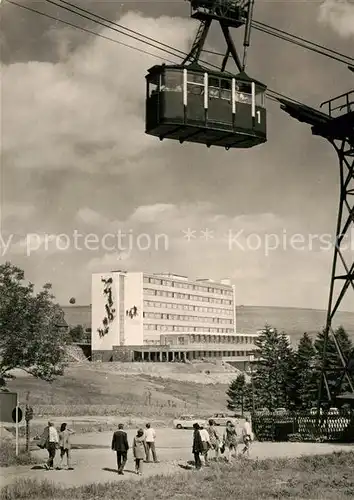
(174, 448)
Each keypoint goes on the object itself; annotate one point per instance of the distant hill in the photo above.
(249, 319)
(292, 321)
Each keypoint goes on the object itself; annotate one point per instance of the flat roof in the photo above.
(196, 281)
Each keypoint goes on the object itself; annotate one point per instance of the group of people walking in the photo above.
(143, 444)
(52, 440)
(205, 440)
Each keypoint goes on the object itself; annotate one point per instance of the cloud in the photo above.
(339, 15)
(109, 262)
(88, 216)
(258, 252)
(74, 146)
(149, 213)
(87, 111)
(42, 245)
(16, 210)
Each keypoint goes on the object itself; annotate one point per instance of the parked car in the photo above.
(262, 411)
(187, 422)
(280, 411)
(333, 411)
(222, 418)
(313, 411)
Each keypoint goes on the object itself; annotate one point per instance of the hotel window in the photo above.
(146, 280)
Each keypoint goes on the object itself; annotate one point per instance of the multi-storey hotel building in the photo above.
(163, 317)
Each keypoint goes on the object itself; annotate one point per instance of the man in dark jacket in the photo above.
(197, 446)
(120, 446)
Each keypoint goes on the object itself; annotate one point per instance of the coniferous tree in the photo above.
(239, 394)
(271, 377)
(333, 363)
(306, 375)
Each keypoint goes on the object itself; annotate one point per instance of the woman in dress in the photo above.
(230, 440)
(65, 445)
(139, 451)
(214, 438)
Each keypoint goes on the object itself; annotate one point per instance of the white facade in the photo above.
(147, 306)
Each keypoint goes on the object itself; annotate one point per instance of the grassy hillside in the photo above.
(106, 389)
(252, 318)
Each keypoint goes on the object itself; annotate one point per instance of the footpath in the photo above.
(99, 465)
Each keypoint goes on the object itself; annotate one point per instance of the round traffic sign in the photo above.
(19, 414)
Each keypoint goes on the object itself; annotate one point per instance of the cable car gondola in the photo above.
(191, 103)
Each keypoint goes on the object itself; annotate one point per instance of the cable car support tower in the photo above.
(336, 124)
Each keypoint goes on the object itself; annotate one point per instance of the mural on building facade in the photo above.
(132, 312)
(110, 310)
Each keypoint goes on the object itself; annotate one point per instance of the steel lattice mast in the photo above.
(337, 126)
(229, 14)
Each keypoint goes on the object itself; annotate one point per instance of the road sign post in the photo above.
(28, 418)
(17, 417)
(10, 411)
(17, 408)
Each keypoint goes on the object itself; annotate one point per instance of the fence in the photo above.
(304, 427)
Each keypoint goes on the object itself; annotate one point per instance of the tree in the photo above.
(271, 377)
(333, 362)
(32, 337)
(239, 394)
(77, 334)
(306, 373)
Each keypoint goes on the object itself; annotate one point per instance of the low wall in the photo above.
(102, 356)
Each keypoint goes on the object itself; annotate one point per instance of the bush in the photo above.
(8, 455)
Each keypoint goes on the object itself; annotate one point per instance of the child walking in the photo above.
(139, 451)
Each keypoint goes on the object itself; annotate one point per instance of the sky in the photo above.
(84, 189)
